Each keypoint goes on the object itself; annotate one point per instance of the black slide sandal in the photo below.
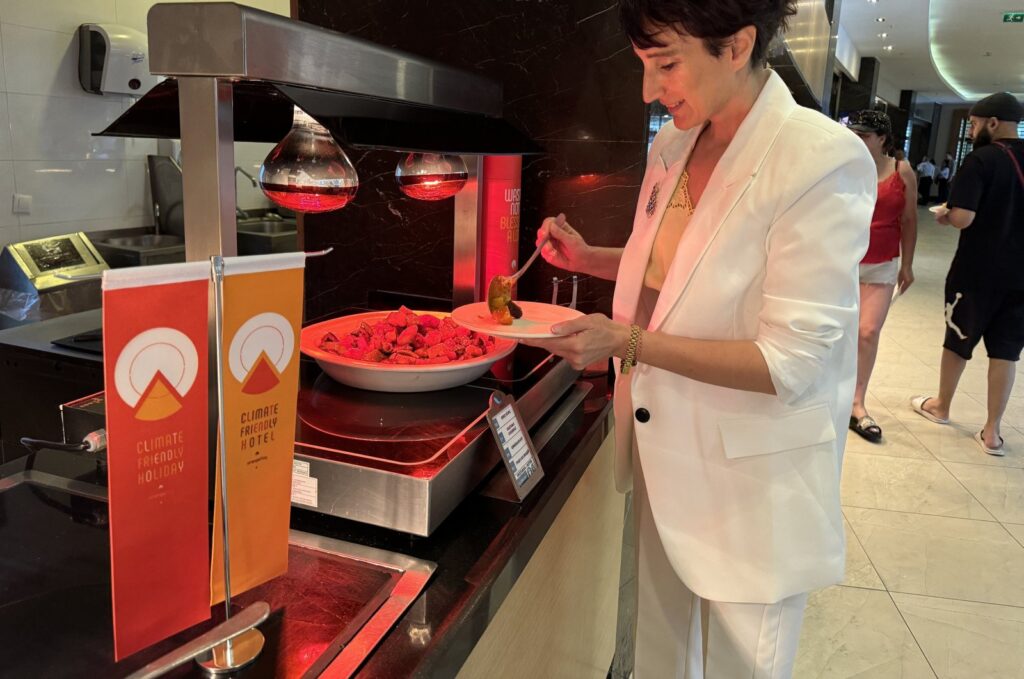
(866, 428)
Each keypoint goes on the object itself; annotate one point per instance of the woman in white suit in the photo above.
(734, 331)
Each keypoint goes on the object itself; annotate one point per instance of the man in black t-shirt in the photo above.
(985, 285)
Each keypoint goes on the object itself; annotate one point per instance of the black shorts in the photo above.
(997, 316)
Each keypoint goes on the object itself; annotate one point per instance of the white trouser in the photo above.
(743, 641)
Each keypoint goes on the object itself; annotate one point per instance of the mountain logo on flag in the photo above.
(260, 351)
(159, 400)
(154, 371)
(262, 378)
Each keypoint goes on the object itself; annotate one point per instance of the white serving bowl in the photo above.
(394, 378)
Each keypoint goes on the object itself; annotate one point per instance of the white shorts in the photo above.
(882, 273)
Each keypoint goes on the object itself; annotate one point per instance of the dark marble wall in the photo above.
(570, 81)
(857, 95)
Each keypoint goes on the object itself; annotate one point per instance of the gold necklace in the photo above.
(681, 197)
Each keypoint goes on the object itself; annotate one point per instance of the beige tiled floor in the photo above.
(935, 527)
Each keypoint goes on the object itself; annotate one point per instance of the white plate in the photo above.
(938, 209)
(535, 324)
(393, 378)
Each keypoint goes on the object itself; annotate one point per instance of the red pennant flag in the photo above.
(155, 369)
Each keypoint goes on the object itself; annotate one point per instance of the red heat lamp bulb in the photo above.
(307, 171)
(431, 176)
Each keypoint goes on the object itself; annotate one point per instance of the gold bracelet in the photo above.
(632, 349)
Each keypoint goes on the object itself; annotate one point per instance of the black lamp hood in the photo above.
(263, 113)
(383, 99)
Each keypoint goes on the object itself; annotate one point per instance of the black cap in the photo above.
(871, 121)
(1001, 105)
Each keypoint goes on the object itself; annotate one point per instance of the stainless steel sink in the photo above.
(266, 226)
(255, 237)
(143, 249)
(145, 241)
(265, 236)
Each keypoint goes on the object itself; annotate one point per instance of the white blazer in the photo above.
(744, 487)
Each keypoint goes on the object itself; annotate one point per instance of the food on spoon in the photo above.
(407, 338)
(499, 300)
(499, 294)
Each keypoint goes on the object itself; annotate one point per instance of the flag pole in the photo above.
(246, 647)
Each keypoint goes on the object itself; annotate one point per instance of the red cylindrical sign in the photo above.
(499, 237)
(499, 232)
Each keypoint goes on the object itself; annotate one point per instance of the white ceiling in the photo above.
(950, 36)
(973, 50)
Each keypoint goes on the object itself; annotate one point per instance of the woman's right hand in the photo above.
(565, 248)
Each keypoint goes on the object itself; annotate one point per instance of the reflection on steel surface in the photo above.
(221, 39)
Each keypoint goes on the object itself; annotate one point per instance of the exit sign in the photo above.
(1013, 18)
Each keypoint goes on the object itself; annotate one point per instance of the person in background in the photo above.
(985, 284)
(734, 330)
(926, 173)
(890, 257)
(943, 180)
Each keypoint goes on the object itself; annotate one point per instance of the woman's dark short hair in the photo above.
(714, 21)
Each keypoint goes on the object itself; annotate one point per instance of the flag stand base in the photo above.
(232, 654)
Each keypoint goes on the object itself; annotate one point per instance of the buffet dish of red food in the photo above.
(401, 351)
(404, 337)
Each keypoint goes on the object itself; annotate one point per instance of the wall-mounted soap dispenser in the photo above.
(113, 59)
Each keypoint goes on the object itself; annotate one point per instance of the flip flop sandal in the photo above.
(917, 403)
(866, 428)
(979, 438)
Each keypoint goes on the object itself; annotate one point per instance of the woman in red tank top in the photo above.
(890, 256)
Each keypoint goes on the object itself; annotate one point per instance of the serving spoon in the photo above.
(560, 220)
(499, 290)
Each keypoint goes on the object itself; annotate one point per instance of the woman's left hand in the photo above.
(905, 278)
(584, 340)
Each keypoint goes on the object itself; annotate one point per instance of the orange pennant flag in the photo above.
(262, 311)
(155, 369)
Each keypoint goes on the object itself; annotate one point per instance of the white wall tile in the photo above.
(139, 203)
(57, 15)
(5, 129)
(35, 231)
(41, 62)
(76, 190)
(249, 156)
(78, 182)
(282, 7)
(133, 12)
(7, 216)
(9, 234)
(56, 128)
(3, 79)
(137, 148)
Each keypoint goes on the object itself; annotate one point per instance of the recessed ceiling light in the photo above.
(888, 48)
(880, 19)
(883, 35)
(873, 2)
